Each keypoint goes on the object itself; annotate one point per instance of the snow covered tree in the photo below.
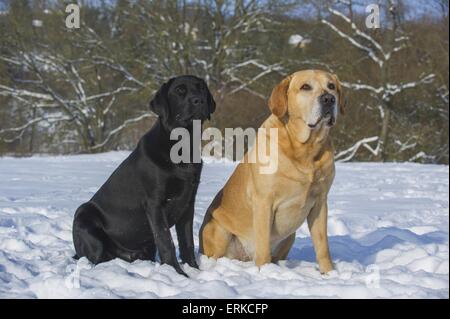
(66, 76)
(88, 89)
(382, 50)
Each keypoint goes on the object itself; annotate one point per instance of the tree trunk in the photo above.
(384, 135)
(33, 132)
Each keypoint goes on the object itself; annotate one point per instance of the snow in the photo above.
(296, 40)
(388, 228)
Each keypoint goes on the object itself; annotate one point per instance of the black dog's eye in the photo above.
(200, 87)
(180, 90)
(306, 87)
(331, 86)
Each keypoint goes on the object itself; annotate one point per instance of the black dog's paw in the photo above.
(181, 271)
(193, 264)
(189, 258)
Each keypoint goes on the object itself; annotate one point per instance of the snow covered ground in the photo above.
(388, 227)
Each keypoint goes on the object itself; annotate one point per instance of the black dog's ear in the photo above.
(160, 103)
(211, 104)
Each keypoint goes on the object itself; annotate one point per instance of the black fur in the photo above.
(131, 214)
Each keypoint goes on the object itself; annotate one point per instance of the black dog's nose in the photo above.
(196, 101)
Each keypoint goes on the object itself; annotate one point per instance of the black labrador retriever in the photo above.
(130, 216)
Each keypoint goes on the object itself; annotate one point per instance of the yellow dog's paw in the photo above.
(325, 266)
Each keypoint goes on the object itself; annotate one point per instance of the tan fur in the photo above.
(255, 216)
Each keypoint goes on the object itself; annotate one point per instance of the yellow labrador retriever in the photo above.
(255, 216)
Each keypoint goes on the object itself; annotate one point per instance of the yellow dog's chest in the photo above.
(293, 208)
(290, 214)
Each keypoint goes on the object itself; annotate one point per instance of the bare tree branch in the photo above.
(348, 154)
(120, 128)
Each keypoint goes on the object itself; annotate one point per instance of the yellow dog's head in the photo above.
(311, 95)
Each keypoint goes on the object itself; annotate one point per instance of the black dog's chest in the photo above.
(175, 188)
(183, 182)
(180, 195)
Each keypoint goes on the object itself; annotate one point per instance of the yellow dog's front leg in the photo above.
(317, 223)
(262, 224)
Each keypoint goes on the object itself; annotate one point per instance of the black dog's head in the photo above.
(182, 100)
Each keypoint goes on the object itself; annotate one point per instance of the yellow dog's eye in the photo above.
(306, 87)
(331, 86)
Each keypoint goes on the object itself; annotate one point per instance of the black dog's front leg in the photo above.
(163, 239)
(186, 238)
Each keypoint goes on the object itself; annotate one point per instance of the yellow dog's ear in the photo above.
(278, 101)
(342, 101)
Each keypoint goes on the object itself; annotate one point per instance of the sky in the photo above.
(418, 8)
